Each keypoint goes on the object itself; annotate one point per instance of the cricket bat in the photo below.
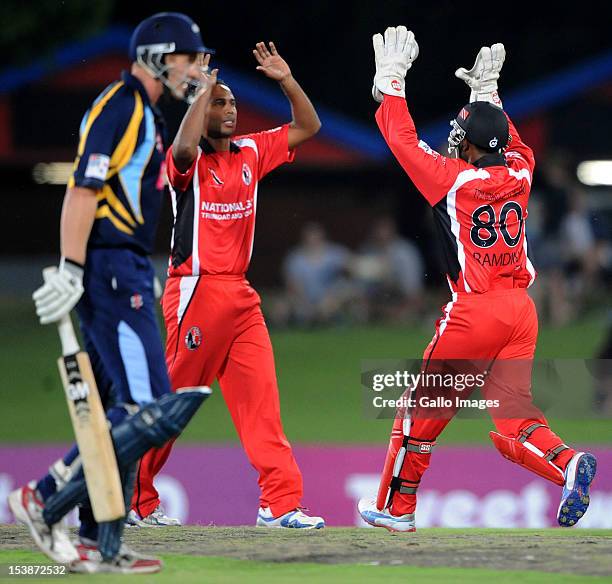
(90, 426)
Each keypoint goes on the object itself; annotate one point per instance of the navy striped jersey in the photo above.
(121, 157)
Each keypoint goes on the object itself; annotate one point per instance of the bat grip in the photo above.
(70, 345)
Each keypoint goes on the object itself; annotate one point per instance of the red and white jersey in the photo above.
(480, 209)
(215, 203)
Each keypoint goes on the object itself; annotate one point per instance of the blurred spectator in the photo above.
(552, 180)
(570, 248)
(390, 271)
(580, 250)
(316, 278)
(578, 234)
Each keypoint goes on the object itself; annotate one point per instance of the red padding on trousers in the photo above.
(517, 452)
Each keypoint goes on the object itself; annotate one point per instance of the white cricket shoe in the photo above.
(157, 518)
(370, 514)
(27, 507)
(132, 519)
(127, 562)
(295, 519)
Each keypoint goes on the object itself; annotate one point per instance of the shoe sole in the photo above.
(387, 527)
(134, 523)
(21, 515)
(89, 567)
(574, 506)
(144, 524)
(317, 526)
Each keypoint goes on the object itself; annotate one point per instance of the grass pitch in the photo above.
(250, 555)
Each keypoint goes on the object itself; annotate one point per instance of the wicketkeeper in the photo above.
(479, 200)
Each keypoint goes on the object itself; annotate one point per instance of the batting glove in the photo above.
(393, 56)
(482, 77)
(158, 289)
(60, 293)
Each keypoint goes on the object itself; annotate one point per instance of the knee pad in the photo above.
(156, 423)
(520, 451)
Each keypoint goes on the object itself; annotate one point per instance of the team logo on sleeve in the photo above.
(97, 166)
(247, 175)
(136, 301)
(193, 338)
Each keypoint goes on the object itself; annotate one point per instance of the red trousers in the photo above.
(216, 330)
(499, 327)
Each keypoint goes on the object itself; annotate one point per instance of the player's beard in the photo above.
(218, 133)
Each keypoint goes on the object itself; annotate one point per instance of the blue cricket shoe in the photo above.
(376, 518)
(295, 519)
(579, 475)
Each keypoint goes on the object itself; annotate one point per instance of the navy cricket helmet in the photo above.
(166, 32)
(483, 124)
(162, 34)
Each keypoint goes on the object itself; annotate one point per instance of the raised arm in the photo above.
(432, 174)
(305, 122)
(518, 149)
(482, 80)
(185, 145)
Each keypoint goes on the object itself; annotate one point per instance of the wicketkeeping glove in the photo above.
(482, 77)
(393, 56)
(60, 293)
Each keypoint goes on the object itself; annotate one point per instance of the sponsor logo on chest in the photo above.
(226, 211)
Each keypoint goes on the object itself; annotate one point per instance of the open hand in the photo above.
(270, 62)
(393, 55)
(208, 79)
(482, 77)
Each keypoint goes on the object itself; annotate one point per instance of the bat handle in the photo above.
(70, 345)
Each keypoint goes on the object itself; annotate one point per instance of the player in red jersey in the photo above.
(216, 329)
(479, 200)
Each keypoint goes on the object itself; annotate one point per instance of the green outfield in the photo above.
(193, 570)
(339, 555)
(319, 374)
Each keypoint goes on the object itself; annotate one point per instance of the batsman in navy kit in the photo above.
(109, 219)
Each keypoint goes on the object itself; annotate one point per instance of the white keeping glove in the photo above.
(61, 291)
(393, 56)
(482, 77)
